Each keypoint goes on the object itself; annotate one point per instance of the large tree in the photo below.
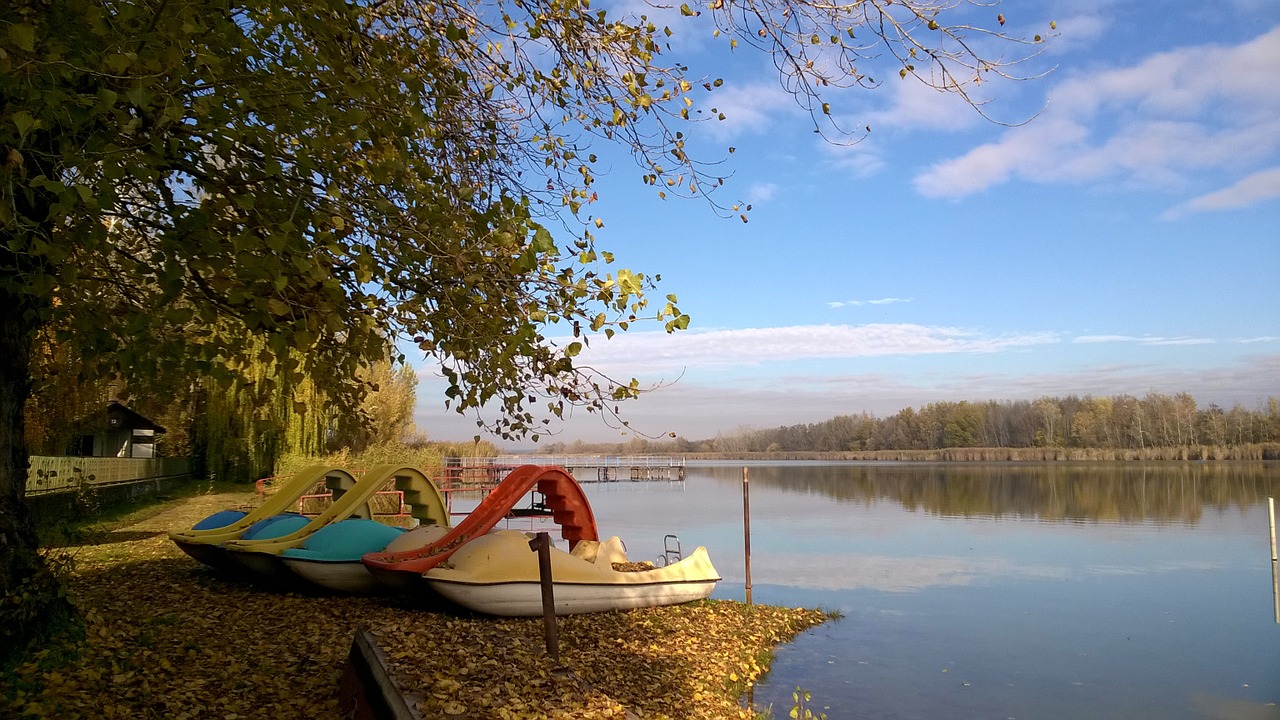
(184, 183)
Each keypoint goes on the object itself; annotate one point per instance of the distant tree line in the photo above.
(1118, 422)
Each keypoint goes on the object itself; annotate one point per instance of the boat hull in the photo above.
(259, 566)
(350, 576)
(212, 555)
(524, 599)
(500, 574)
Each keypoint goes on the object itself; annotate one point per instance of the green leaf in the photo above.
(24, 122)
(24, 36)
(542, 241)
(107, 98)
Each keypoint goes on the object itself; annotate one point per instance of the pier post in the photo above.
(1275, 562)
(541, 544)
(746, 525)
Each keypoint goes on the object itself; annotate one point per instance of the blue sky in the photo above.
(1124, 240)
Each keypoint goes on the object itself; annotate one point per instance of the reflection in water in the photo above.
(1055, 592)
(1161, 493)
(889, 573)
(1275, 561)
(1220, 708)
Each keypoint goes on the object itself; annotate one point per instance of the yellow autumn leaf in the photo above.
(166, 633)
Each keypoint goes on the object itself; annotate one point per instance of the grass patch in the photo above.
(71, 523)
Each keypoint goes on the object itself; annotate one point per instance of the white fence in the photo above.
(54, 474)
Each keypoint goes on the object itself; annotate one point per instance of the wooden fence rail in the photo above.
(60, 474)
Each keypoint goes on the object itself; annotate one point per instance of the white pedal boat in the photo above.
(498, 574)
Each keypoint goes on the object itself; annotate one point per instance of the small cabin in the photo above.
(120, 433)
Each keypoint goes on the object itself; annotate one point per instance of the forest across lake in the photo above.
(1118, 427)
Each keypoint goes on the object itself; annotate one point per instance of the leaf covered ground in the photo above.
(165, 637)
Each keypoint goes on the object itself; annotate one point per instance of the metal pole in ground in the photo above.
(542, 544)
(746, 525)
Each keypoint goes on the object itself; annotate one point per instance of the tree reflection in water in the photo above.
(1081, 492)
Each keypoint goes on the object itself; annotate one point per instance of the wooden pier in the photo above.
(584, 468)
(483, 474)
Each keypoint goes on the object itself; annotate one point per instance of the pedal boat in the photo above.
(497, 574)
(330, 557)
(206, 540)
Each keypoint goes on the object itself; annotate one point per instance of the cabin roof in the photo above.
(120, 417)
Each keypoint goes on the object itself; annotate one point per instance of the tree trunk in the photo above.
(31, 598)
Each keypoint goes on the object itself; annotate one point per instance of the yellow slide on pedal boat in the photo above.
(204, 540)
(264, 557)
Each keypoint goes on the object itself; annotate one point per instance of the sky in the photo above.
(1110, 227)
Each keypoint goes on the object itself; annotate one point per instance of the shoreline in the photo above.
(1197, 453)
(165, 637)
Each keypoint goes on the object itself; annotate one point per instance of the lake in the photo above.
(992, 591)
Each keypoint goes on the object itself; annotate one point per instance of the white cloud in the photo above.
(1144, 340)
(701, 410)
(761, 192)
(1179, 341)
(657, 352)
(1158, 122)
(1104, 339)
(1252, 6)
(916, 105)
(1247, 382)
(748, 108)
(861, 159)
(1076, 32)
(1250, 190)
(860, 303)
(688, 33)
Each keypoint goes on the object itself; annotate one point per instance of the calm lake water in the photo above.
(993, 591)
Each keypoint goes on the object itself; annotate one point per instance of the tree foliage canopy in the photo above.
(269, 190)
(193, 188)
(325, 174)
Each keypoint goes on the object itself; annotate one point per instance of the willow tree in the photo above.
(240, 429)
(324, 174)
(386, 413)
